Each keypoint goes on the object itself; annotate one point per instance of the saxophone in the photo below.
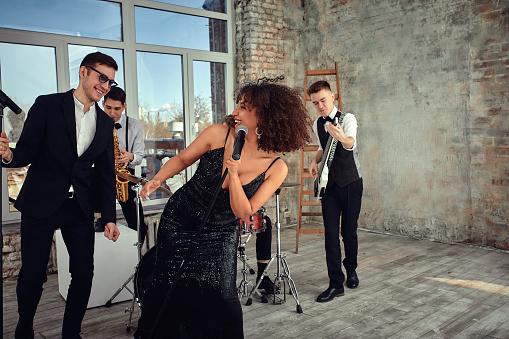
(122, 184)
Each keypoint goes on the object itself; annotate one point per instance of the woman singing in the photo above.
(205, 302)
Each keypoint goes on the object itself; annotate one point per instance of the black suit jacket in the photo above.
(48, 144)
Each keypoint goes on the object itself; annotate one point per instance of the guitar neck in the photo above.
(326, 153)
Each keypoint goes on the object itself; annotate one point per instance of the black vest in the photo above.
(343, 170)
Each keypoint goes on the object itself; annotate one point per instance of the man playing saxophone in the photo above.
(129, 150)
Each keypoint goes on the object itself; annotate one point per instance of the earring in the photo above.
(258, 134)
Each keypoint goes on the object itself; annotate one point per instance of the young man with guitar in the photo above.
(338, 184)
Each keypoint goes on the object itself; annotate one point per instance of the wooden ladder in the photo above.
(304, 175)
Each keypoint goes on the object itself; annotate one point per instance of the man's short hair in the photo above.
(318, 86)
(95, 58)
(116, 93)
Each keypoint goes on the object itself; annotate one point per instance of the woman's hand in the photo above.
(233, 166)
(148, 188)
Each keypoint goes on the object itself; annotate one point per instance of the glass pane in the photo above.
(77, 53)
(26, 72)
(208, 5)
(83, 18)
(209, 93)
(161, 113)
(173, 29)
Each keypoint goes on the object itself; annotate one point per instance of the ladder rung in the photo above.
(308, 192)
(308, 148)
(315, 72)
(309, 203)
(306, 175)
(311, 214)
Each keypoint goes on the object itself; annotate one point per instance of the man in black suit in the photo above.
(343, 192)
(67, 140)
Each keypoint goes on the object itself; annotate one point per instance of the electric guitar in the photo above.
(328, 155)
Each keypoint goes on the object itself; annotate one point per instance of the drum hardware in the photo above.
(137, 180)
(248, 226)
(243, 289)
(254, 223)
(282, 276)
(138, 244)
(242, 256)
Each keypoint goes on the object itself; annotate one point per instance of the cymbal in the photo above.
(289, 184)
(136, 180)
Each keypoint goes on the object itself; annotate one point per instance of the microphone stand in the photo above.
(186, 258)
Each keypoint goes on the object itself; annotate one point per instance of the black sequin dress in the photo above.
(205, 303)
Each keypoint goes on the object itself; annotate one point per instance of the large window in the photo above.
(26, 72)
(174, 57)
(205, 35)
(82, 18)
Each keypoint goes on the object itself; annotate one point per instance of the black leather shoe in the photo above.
(352, 281)
(267, 285)
(99, 227)
(330, 294)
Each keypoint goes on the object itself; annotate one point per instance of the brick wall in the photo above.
(489, 122)
(428, 82)
(259, 54)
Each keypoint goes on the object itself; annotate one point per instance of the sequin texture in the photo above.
(205, 302)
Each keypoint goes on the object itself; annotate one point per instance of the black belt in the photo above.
(70, 195)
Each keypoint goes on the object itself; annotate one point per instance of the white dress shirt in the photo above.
(135, 135)
(85, 127)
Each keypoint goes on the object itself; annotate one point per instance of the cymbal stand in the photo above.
(243, 289)
(138, 244)
(282, 276)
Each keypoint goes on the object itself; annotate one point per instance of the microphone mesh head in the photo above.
(241, 128)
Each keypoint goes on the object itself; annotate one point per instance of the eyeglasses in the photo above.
(103, 78)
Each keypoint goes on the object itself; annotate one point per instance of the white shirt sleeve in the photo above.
(349, 126)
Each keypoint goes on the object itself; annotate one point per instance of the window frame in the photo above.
(130, 47)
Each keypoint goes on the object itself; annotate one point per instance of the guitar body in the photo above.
(321, 183)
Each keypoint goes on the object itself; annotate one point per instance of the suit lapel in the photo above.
(70, 118)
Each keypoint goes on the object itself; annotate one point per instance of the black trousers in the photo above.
(36, 239)
(129, 211)
(341, 203)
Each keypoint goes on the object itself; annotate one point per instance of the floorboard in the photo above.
(408, 289)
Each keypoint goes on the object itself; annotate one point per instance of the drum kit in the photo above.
(255, 224)
(144, 270)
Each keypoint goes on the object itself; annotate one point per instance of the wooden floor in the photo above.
(408, 289)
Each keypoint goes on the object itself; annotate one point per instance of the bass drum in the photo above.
(144, 274)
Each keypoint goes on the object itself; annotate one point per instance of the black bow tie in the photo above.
(117, 125)
(328, 119)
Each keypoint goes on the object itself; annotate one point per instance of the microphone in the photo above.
(239, 141)
(6, 101)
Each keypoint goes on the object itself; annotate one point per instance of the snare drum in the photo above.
(254, 223)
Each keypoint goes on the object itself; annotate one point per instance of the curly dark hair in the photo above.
(282, 116)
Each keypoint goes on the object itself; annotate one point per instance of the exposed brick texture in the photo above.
(428, 82)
